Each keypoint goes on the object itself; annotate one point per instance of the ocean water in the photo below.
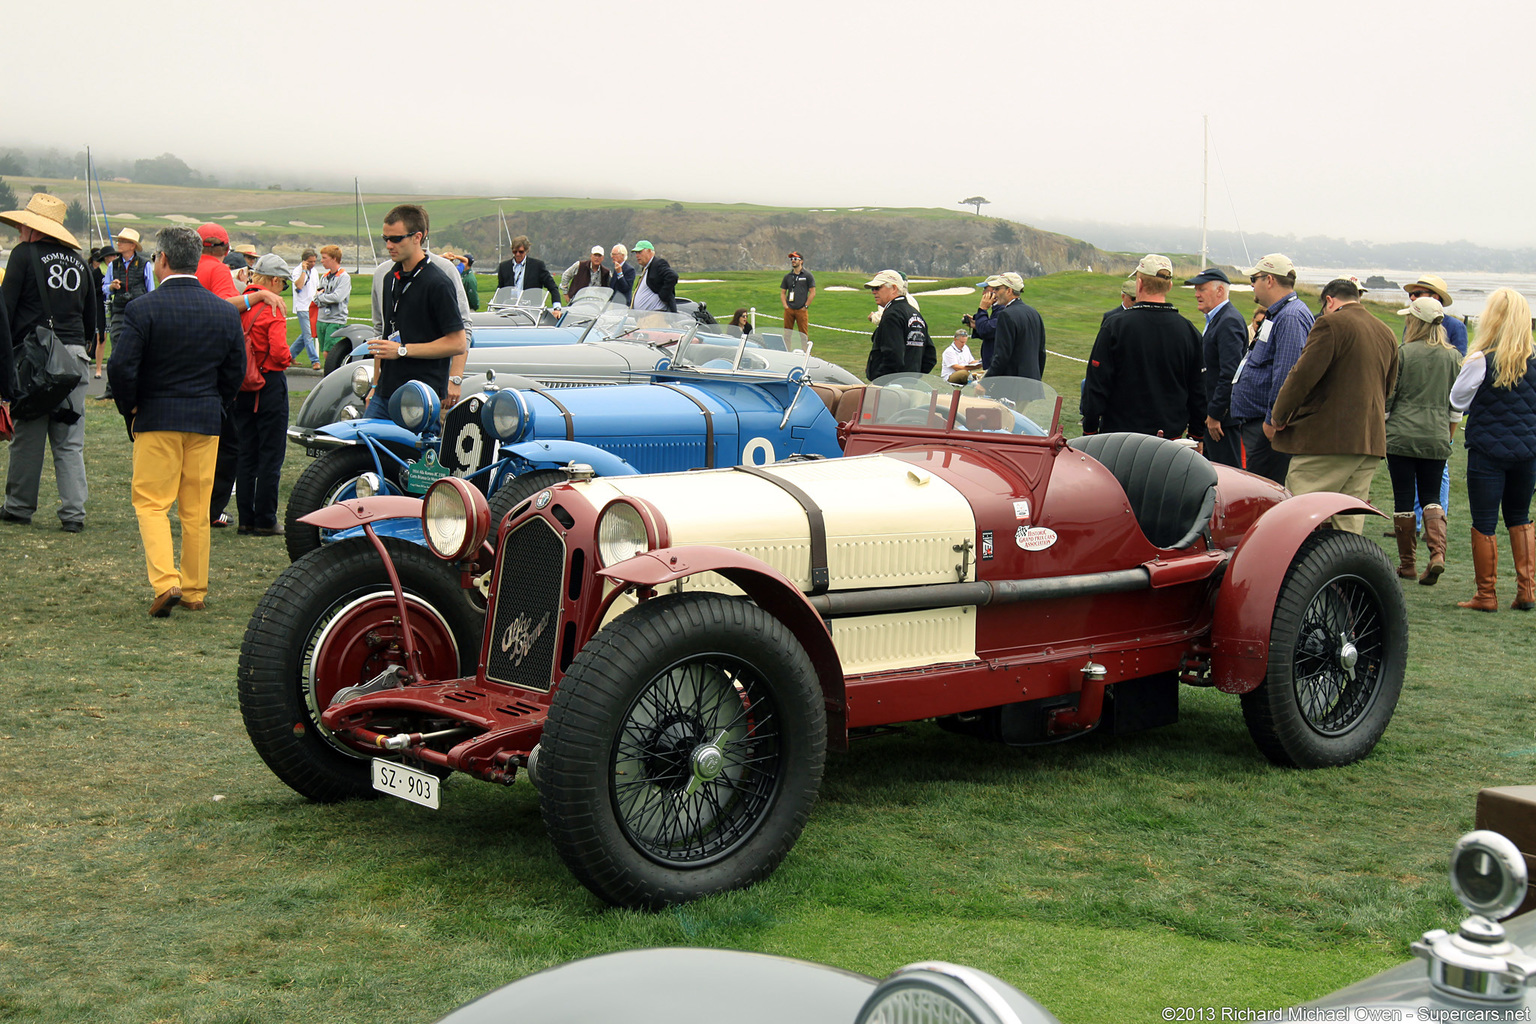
(1469, 289)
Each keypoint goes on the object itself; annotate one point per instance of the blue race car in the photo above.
(716, 401)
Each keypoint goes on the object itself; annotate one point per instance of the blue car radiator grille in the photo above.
(525, 622)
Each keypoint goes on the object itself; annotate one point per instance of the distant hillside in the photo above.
(696, 238)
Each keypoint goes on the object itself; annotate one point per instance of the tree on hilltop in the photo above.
(75, 217)
(976, 201)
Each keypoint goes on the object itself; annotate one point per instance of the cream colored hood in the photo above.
(888, 523)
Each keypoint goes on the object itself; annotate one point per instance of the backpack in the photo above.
(254, 380)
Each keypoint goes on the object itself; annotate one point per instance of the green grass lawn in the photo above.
(156, 871)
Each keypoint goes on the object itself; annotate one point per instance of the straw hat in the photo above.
(1431, 283)
(129, 235)
(44, 213)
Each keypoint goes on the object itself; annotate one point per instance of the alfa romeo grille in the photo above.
(525, 621)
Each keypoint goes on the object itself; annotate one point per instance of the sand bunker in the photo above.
(505, 199)
(249, 223)
(701, 280)
(840, 288)
(946, 291)
(227, 216)
(179, 218)
(126, 216)
(301, 224)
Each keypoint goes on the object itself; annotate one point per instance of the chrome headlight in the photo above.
(507, 416)
(455, 519)
(415, 407)
(938, 993)
(367, 485)
(350, 412)
(362, 380)
(620, 534)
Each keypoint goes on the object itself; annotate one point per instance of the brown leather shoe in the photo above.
(275, 530)
(194, 606)
(161, 606)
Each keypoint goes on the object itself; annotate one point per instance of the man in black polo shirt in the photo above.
(420, 310)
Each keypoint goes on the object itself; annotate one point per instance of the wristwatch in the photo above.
(402, 352)
(456, 381)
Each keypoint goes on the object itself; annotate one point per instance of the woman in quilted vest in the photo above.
(1497, 390)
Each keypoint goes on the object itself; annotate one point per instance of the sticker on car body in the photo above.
(1034, 538)
(1021, 509)
(986, 545)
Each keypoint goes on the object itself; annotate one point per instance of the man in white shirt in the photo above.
(305, 281)
(956, 364)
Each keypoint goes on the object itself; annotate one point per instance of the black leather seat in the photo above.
(1170, 486)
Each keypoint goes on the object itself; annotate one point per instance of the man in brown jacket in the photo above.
(1331, 413)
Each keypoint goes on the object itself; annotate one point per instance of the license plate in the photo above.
(396, 779)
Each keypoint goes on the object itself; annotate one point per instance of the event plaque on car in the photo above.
(396, 779)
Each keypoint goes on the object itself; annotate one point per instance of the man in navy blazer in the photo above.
(1224, 345)
(174, 368)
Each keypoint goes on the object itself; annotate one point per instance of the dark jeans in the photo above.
(224, 468)
(1494, 482)
(1259, 457)
(1228, 451)
(261, 421)
(1414, 481)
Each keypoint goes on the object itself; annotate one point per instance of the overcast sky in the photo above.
(1378, 122)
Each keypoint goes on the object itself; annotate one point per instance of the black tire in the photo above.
(512, 493)
(622, 759)
(326, 623)
(336, 355)
(323, 482)
(1316, 708)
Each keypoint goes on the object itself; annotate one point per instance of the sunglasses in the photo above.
(397, 239)
(518, 252)
(1421, 294)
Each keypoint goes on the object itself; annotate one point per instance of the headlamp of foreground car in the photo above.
(350, 411)
(415, 406)
(362, 380)
(507, 417)
(621, 533)
(455, 519)
(939, 993)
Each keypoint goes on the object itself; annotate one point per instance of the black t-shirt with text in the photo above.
(423, 306)
(797, 288)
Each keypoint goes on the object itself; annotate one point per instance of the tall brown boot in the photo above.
(1434, 539)
(1522, 539)
(1407, 542)
(1485, 562)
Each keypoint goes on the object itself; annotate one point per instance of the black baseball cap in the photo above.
(1211, 274)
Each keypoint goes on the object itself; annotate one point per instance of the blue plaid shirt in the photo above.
(1271, 358)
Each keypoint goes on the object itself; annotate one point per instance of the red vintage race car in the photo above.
(670, 657)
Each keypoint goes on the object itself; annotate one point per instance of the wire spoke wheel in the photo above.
(696, 760)
(683, 751)
(1337, 654)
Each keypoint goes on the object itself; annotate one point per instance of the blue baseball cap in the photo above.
(1212, 274)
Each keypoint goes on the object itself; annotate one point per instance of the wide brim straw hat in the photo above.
(44, 213)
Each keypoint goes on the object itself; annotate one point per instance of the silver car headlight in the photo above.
(507, 416)
(621, 534)
(938, 993)
(362, 380)
(367, 485)
(350, 412)
(455, 519)
(415, 406)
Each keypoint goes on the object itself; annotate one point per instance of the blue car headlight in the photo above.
(415, 406)
(507, 416)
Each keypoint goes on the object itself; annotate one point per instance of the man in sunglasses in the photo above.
(422, 328)
(1275, 349)
(383, 274)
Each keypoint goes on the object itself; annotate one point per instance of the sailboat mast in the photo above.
(1205, 185)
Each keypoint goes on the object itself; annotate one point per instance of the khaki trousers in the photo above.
(172, 466)
(1347, 474)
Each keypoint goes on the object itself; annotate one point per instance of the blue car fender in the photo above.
(352, 432)
(406, 528)
(555, 453)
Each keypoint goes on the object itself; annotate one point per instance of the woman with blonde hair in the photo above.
(1497, 390)
(1419, 427)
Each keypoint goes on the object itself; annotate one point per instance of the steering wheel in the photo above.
(915, 418)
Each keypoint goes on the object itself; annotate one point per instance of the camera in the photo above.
(968, 320)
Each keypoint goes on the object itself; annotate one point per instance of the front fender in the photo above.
(772, 592)
(354, 512)
(353, 431)
(1246, 604)
(554, 454)
(406, 529)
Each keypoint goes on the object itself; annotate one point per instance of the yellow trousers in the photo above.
(172, 466)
